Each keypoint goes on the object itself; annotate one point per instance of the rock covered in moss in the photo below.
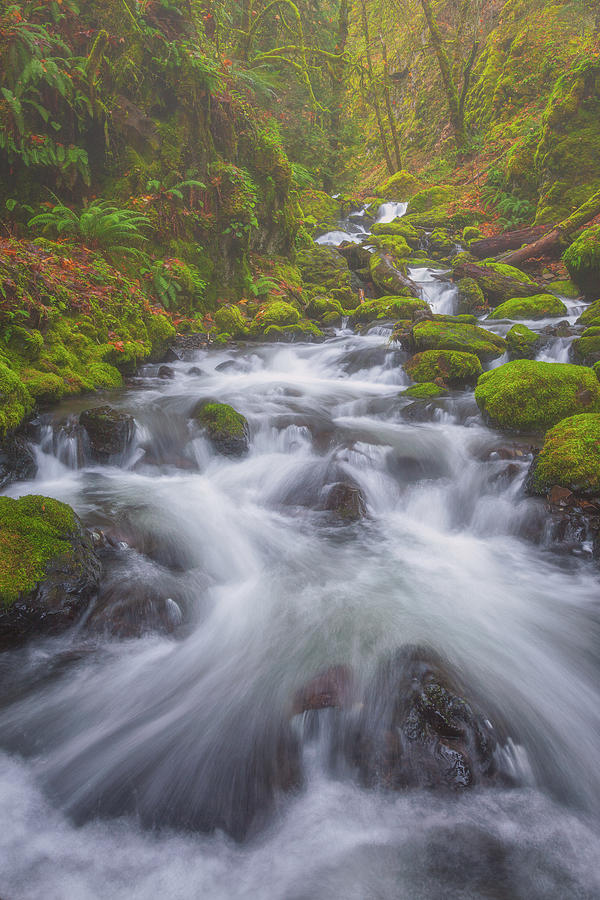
(452, 335)
(471, 233)
(570, 457)
(540, 306)
(345, 500)
(582, 259)
(15, 400)
(431, 198)
(426, 390)
(440, 242)
(586, 349)
(226, 428)
(48, 567)
(591, 315)
(470, 296)
(508, 271)
(389, 274)
(26, 343)
(497, 286)
(523, 343)
(278, 313)
(565, 289)
(229, 320)
(303, 330)
(394, 244)
(451, 367)
(325, 272)
(399, 187)
(388, 308)
(525, 395)
(399, 228)
(108, 433)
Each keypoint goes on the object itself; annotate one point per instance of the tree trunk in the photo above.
(452, 98)
(550, 242)
(372, 90)
(510, 240)
(388, 105)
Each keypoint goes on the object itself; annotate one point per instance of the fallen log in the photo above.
(554, 238)
(510, 240)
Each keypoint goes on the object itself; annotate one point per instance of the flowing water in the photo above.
(104, 738)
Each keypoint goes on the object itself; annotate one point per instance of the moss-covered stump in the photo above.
(451, 367)
(426, 390)
(48, 567)
(108, 433)
(449, 335)
(523, 343)
(397, 308)
(570, 457)
(470, 297)
(399, 187)
(525, 395)
(540, 306)
(586, 349)
(226, 429)
(582, 259)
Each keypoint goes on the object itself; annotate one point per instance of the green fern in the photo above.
(99, 225)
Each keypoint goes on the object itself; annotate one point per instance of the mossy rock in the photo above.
(399, 228)
(441, 242)
(497, 287)
(451, 367)
(586, 349)
(323, 210)
(570, 457)
(523, 343)
(161, 333)
(591, 315)
(226, 428)
(452, 335)
(25, 343)
(525, 395)
(387, 274)
(431, 198)
(48, 567)
(325, 310)
(508, 271)
(15, 400)
(109, 433)
(45, 387)
(277, 313)
(540, 306)
(471, 233)
(418, 261)
(582, 260)
(565, 289)
(390, 243)
(470, 296)
(303, 330)
(229, 320)
(399, 187)
(326, 271)
(387, 308)
(425, 391)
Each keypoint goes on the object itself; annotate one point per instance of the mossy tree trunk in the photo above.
(372, 89)
(388, 105)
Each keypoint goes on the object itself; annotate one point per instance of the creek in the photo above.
(113, 750)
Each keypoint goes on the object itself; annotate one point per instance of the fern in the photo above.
(99, 225)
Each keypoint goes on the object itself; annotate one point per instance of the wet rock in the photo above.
(345, 500)
(17, 461)
(195, 371)
(171, 356)
(49, 568)
(226, 428)
(416, 729)
(108, 432)
(333, 688)
(142, 609)
(166, 372)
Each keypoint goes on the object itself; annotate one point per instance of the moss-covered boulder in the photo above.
(523, 343)
(526, 395)
(320, 211)
(440, 242)
(508, 271)
(582, 259)
(540, 306)
(278, 313)
(431, 198)
(396, 308)
(570, 457)
(497, 286)
(389, 275)
(48, 567)
(226, 429)
(591, 315)
(108, 433)
(229, 321)
(449, 366)
(399, 187)
(452, 335)
(399, 228)
(470, 297)
(426, 390)
(586, 349)
(565, 288)
(393, 244)
(325, 272)
(15, 400)
(304, 330)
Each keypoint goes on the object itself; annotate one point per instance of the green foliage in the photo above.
(99, 225)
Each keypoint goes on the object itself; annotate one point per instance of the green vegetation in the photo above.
(425, 391)
(540, 306)
(451, 335)
(582, 259)
(570, 456)
(522, 342)
(532, 396)
(449, 367)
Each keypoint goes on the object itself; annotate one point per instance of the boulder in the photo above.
(453, 335)
(388, 308)
(389, 275)
(226, 428)
(582, 259)
(525, 395)
(586, 349)
(540, 306)
(333, 688)
(17, 460)
(523, 343)
(569, 460)
(49, 568)
(450, 367)
(425, 391)
(108, 433)
(470, 297)
(345, 500)
(166, 372)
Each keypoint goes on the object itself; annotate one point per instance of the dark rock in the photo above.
(171, 356)
(17, 461)
(141, 609)
(332, 688)
(195, 370)
(166, 372)
(345, 500)
(226, 429)
(108, 432)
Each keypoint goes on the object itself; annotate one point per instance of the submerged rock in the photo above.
(346, 500)
(48, 567)
(226, 428)
(108, 432)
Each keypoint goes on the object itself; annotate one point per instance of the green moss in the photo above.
(470, 296)
(570, 456)
(509, 271)
(565, 289)
(431, 198)
(15, 400)
(278, 313)
(451, 367)
(522, 342)
(34, 530)
(400, 187)
(591, 315)
(323, 210)
(221, 421)
(229, 320)
(302, 330)
(325, 272)
(425, 391)
(43, 386)
(27, 344)
(388, 308)
(540, 306)
(391, 243)
(525, 395)
(586, 349)
(399, 228)
(384, 270)
(582, 259)
(440, 242)
(471, 233)
(449, 335)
